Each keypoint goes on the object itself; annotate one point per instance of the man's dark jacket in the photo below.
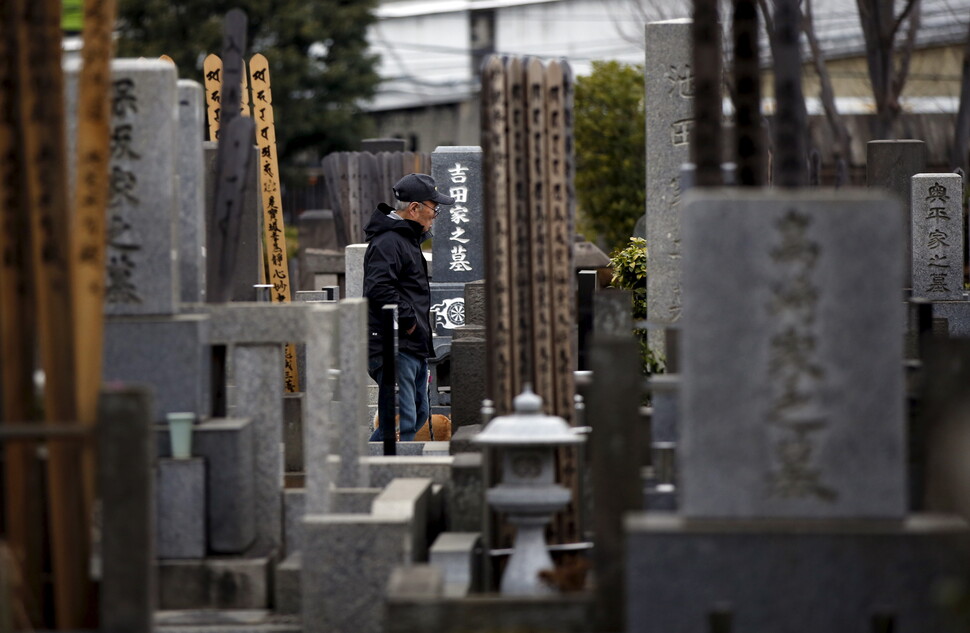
(395, 271)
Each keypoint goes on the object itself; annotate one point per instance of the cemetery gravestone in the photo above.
(141, 228)
(669, 81)
(813, 427)
(191, 191)
(457, 251)
(937, 230)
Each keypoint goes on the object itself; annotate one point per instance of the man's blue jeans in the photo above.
(412, 383)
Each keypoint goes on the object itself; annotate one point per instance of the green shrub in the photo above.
(630, 273)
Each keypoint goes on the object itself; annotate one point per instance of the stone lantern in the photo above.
(528, 493)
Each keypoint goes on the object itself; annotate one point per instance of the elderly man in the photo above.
(395, 271)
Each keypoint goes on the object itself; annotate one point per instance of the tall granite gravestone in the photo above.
(189, 165)
(458, 249)
(937, 230)
(145, 340)
(803, 289)
(891, 165)
(141, 223)
(669, 81)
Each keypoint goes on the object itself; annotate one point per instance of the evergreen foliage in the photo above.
(610, 152)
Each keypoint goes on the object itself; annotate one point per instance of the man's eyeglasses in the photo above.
(435, 208)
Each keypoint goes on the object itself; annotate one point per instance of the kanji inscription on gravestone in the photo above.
(459, 230)
(142, 206)
(937, 233)
(669, 81)
(805, 287)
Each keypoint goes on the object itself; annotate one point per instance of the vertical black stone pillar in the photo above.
(126, 447)
(749, 144)
(615, 447)
(789, 99)
(387, 400)
(706, 147)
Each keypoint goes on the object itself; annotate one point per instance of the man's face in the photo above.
(424, 213)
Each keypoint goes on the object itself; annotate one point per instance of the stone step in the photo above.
(225, 621)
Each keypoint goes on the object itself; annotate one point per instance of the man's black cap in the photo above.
(419, 188)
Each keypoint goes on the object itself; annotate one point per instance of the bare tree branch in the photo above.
(961, 138)
(910, 5)
(840, 133)
(905, 57)
(769, 24)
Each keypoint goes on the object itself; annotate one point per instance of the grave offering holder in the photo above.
(180, 433)
(528, 492)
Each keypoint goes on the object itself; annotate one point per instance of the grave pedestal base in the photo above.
(227, 446)
(791, 576)
(168, 353)
(181, 508)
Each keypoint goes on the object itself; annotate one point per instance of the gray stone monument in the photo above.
(141, 224)
(459, 230)
(354, 271)
(352, 426)
(803, 290)
(181, 508)
(259, 394)
(937, 229)
(190, 168)
(669, 81)
(318, 426)
(891, 165)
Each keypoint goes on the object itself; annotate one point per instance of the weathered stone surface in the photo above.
(353, 500)
(293, 431)
(350, 434)
(384, 469)
(181, 508)
(294, 509)
(168, 353)
(241, 322)
(286, 585)
(220, 583)
(354, 275)
(890, 165)
(226, 444)
(191, 192)
(679, 570)
(665, 390)
(417, 602)
(127, 487)
(411, 499)
(466, 494)
(318, 427)
(457, 555)
(669, 84)
(613, 313)
(347, 561)
(320, 268)
(142, 274)
(259, 393)
(248, 260)
(937, 228)
(468, 357)
(957, 315)
(806, 284)
(317, 229)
